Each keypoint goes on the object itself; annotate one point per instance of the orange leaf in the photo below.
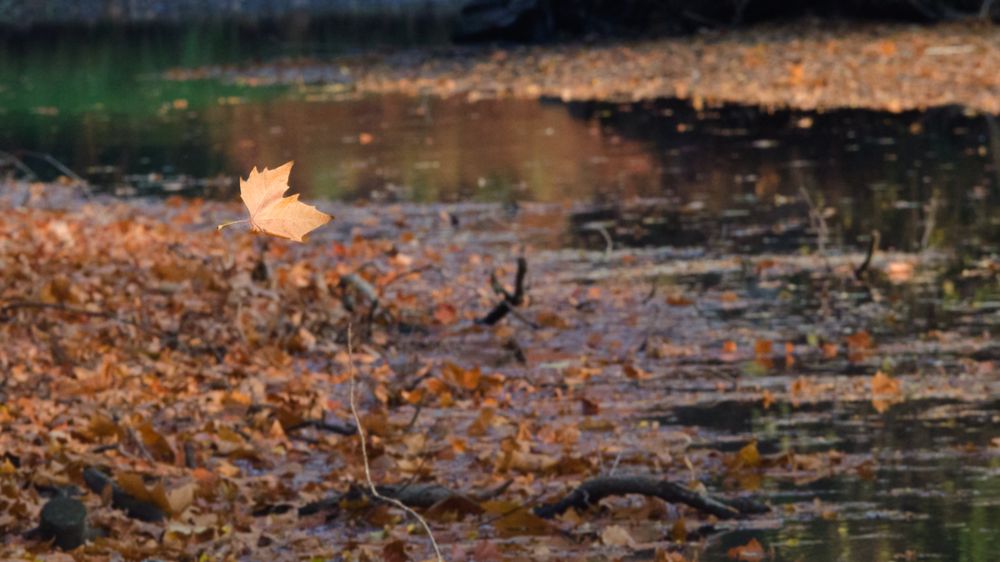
(749, 552)
(270, 213)
(635, 373)
(445, 313)
(884, 384)
(464, 378)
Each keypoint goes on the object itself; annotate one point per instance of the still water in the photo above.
(658, 173)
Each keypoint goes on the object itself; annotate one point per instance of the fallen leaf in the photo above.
(750, 552)
(513, 519)
(395, 551)
(616, 535)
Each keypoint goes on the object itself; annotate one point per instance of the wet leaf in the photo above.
(750, 552)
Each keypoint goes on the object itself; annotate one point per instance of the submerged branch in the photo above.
(592, 491)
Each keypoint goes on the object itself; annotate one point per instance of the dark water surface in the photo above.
(659, 173)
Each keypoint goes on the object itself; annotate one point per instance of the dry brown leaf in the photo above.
(182, 497)
(270, 213)
(616, 535)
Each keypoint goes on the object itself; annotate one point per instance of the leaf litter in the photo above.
(214, 392)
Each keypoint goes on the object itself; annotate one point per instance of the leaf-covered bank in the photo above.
(804, 65)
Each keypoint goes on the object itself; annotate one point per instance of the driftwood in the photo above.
(592, 491)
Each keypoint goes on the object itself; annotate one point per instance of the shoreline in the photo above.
(804, 65)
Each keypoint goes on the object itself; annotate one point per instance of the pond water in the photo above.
(728, 178)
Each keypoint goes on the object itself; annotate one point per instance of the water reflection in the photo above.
(658, 173)
(934, 494)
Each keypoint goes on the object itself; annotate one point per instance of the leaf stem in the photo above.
(231, 223)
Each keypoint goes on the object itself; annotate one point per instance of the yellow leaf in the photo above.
(749, 456)
(270, 213)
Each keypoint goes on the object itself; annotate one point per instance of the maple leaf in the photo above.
(270, 213)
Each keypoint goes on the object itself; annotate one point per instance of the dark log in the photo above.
(64, 521)
(596, 489)
(324, 425)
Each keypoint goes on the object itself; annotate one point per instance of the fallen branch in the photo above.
(594, 490)
(508, 301)
(323, 425)
(421, 496)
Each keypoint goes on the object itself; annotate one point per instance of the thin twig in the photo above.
(364, 452)
(931, 209)
(872, 248)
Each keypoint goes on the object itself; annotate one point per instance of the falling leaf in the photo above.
(270, 213)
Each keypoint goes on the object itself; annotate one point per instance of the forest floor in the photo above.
(803, 65)
(208, 375)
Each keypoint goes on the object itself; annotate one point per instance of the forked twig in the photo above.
(364, 452)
